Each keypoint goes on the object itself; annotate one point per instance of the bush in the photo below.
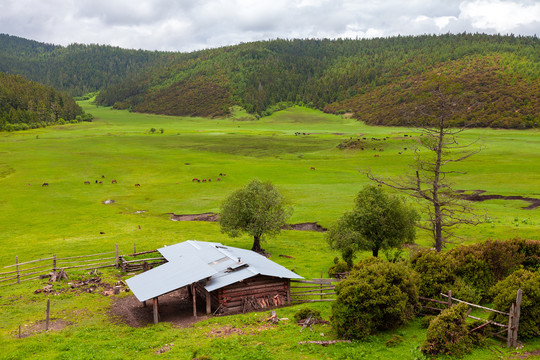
(377, 296)
(504, 293)
(448, 333)
(339, 267)
(436, 272)
(426, 320)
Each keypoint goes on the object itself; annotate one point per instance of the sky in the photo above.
(188, 25)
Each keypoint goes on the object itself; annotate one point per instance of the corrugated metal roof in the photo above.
(169, 277)
(192, 261)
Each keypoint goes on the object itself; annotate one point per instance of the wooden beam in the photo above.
(208, 303)
(194, 295)
(156, 310)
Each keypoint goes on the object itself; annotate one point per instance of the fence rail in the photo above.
(513, 315)
(46, 266)
(314, 290)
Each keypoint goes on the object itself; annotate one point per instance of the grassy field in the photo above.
(67, 216)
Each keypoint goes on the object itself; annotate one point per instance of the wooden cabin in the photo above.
(227, 280)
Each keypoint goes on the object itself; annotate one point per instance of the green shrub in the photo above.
(448, 333)
(504, 293)
(378, 295)
(340, 267)
(303, 313)
(426, 320)
(436, 272)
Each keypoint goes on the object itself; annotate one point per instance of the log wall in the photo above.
(258, 292)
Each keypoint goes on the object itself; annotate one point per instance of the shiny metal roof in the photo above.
(192, 261)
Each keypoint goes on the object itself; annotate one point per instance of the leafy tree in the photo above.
(378, 221)
(445, 207)
(258, 209)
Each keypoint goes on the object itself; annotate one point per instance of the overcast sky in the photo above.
(186, 25)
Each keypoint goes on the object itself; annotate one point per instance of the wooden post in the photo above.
(19, 331)
(321, 285)
(517, 313)
(156, 310)
(48, 311)
(18, 274)
(54, 262)
(208, 303)
(510, 322)
(117, 257)
(449, 299)
(194, 295)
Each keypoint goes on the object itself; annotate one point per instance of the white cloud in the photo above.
(503, 16)
(187, 25)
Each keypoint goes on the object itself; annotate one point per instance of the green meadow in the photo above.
(68, 217)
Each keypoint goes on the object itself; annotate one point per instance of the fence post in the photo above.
(117, 258)
(510, 322)
(18, 274)
(450, 298)
(321, 285)
(54, 262)
(517, 313)
(48, 310)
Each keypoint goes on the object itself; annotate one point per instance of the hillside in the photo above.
(76, 69)
(345, 75)
(379, 80)
(26, 104)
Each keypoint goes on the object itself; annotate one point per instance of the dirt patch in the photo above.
(224, 331)
(309, 226)
(92, 285)
(526, 355)
(175, 307)
(477, 196)
(209, 216)
(36, 328)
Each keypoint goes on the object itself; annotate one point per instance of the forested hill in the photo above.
(76, 69)
(26, 104)
(378, 80)
(374, 79)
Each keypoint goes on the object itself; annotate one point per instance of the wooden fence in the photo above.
(511, 329)
(42, 268)
(314, 290)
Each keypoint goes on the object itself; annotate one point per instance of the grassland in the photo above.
(67, 216)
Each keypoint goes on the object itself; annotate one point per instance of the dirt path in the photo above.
(477, 196)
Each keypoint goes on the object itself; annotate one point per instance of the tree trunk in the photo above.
(257, 244)
(375, 252)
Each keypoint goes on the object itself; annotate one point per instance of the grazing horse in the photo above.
(195, 180)
(203, 180)
(221, 174)
(87, 182)
(137, 185)
(101, 182)
(312, 168)
(45, 184)
(218, 179)
(103, 176)
(113, 182)
(376, 155)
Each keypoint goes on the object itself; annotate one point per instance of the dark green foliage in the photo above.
(426, 320)
(378, 221)
(258, 209)
(303, 313)
(378, 295)
(436, 272)
(448, 333)
(75, 69)
(26, 104)
(504, 293)
(339, 267)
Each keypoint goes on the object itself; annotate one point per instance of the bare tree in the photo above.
(444, 106)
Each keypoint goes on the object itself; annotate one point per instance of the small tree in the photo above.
(257, 209)
(378, 221)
